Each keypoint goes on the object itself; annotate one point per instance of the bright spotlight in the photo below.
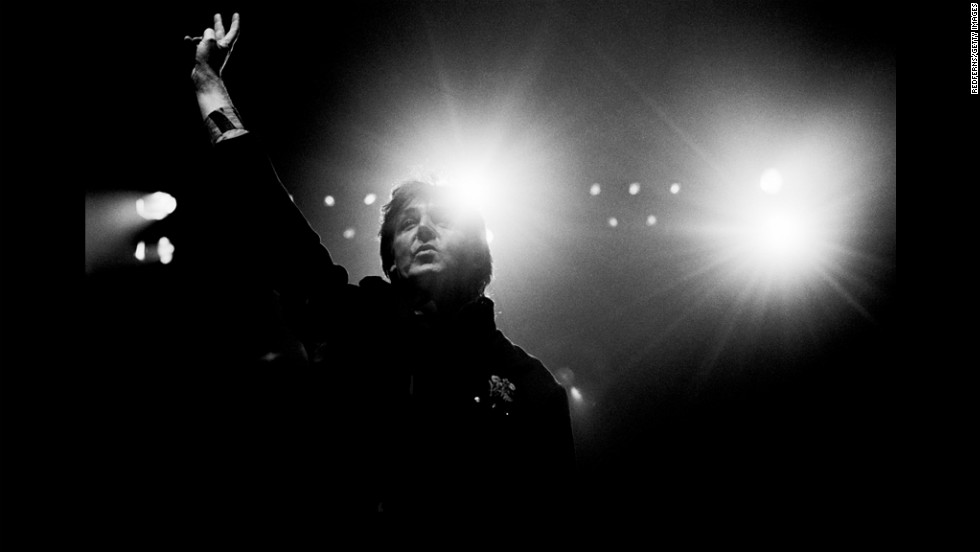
(576, 394)
(634, 188)
(370, 199)
(651, 220)
(779, 234)
(329, 201)
(475, 170)
(675, 188)
(774, 241)
(491, 158)
(349, 233)
(782, 240)
(472, 193)
(613, 222)
(165, 250)
(141, 251)
(771, 181)
(796, 229)
(156, 206)
(595, 189)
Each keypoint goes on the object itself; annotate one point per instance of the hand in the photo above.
(213, 50)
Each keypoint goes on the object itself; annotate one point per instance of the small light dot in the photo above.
(349, 233)
(477, 399)
(675, 188)
(166, 250)
(576, 394)
(329, 201)
(141, 251)
(634, 188)
(613, 222)
(291, 198)
(651, 220)
(370, 198)
(595, 189)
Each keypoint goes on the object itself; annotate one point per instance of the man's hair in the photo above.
(477, 265)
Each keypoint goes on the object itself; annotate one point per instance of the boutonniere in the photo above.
(501, 391)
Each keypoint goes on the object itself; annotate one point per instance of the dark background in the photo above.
(693, 402)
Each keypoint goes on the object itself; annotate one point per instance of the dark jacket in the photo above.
(395, 411)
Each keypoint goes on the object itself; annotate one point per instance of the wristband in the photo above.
(224, 123)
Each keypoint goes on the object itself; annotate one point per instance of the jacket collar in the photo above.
(476, 316)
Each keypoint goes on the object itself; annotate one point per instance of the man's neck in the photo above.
(441, 301)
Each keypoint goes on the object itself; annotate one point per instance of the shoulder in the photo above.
(375, 288)
(526, 368)
(375, 284)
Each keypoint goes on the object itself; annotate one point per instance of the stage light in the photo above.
(576, 394)
(651, 220)
(165, 250)
(329, 201)
(140, 251)
(595, 189)
(156, 206)
(370, 199)
(349, 233)
(474, 168)
(472, 192)
(113, 221)
(771, 181)
(775, 242)
(782, 240)
(634, 188)
(675, 188)
(613, 222)
(496, 157)
(779, 234)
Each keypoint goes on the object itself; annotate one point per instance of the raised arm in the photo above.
(287, 250)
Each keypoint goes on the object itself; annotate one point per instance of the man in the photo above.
(412, 401)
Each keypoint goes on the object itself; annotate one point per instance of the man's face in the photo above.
(428, 245)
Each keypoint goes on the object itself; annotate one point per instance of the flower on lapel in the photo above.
(501, 389)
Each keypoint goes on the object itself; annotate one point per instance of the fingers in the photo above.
(204, 46)
(229, 38)
(219, 28)
(217, 35)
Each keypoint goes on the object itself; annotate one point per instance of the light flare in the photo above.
(156, 206)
